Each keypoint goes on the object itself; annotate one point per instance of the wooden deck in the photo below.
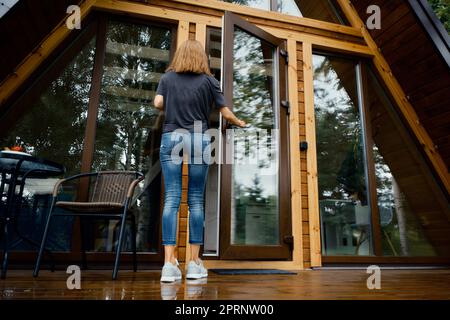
(307, 285)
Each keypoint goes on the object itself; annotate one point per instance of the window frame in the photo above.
(363, 68)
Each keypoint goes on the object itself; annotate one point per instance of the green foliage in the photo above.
(442, 10)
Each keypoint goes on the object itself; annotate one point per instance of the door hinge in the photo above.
(285, 104)
(284, 54)
(289, 240)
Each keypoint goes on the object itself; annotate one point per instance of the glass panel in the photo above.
(411, 216)
(289, 7)
(43, 132)
(255, 195)
(259, 4)
(214, 50)
(325, 10)
(343, 199)
(129, 127)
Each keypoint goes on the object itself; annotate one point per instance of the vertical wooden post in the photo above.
(313, 190)
(182, 35)
(294, 138)
(200, 33)
(182, 32)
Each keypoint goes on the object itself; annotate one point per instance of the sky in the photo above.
(5, 5)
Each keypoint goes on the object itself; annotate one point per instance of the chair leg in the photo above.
(119, 244)
(83, 243)
(44, 240)
(5, 250)
(133, 240)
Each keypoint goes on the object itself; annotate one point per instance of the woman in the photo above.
(187, 93)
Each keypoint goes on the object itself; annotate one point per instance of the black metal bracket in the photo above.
(285, 55)
(285, 104)
(303, 145)
(289, 240)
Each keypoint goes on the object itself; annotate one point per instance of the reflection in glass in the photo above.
(255, 200)
(129, 127)
(53, 128)
(343, 200)
(289, 7)
(325, 10)
(402, 205)
(258, 4)
(215, 51)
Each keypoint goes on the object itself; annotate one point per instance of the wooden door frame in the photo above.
(243, 252)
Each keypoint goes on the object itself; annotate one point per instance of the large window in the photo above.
(376, 194)
(129, 126)
(125, 61)
(406, 201)
(343, 198)
(42, 131)
(325, 10)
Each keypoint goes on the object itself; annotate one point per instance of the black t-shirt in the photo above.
(188, 97)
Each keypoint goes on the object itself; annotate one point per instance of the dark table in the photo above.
(15, 169)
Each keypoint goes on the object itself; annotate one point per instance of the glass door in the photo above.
(255, 193)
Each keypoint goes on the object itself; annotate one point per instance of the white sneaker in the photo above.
(170, 272)
(196, 271)
(169, 290)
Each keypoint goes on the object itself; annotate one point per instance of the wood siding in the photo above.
(303, 164)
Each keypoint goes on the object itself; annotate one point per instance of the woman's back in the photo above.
(188, 97)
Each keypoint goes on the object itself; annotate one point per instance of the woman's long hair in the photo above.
(190, 57)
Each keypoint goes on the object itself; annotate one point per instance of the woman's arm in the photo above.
(159, 102)
(230, 117)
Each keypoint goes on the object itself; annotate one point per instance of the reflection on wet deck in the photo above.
(145, 285)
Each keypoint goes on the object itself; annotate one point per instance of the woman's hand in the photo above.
(229, 116)
(159, 102)
(241, 124)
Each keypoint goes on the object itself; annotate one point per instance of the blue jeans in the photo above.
(173, 146)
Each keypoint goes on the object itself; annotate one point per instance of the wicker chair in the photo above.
(111, 199)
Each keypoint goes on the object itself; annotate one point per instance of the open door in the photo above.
(255, 184)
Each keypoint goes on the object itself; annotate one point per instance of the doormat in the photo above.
(250, 271)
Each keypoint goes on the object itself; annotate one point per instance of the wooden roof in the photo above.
(416, 47)
(24, 27)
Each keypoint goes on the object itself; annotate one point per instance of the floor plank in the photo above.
(306, 285)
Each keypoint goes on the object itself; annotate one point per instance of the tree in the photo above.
(442, 10)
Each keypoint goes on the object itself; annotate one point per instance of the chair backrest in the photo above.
(112, 186)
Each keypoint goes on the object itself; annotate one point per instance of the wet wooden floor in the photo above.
(306, 285)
